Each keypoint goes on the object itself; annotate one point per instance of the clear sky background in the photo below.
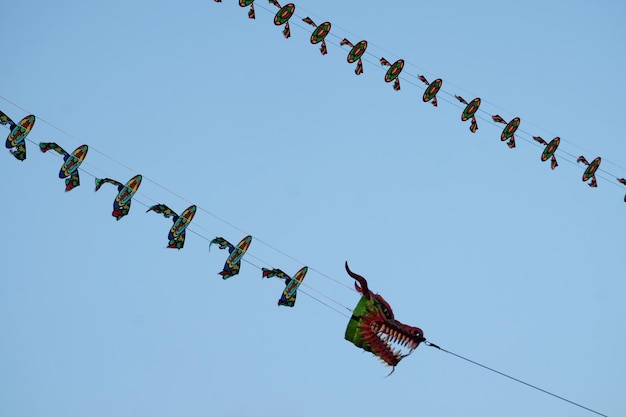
(494, 255)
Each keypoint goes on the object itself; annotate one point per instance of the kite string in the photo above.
(512, 378)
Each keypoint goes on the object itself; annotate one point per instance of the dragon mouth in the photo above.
(391, 341)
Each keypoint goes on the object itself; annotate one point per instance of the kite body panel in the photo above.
(470, 109)
(288, 297)
(590, 172)
(284, 14)
(20, 131)
(121, 204)
(181, 222)
(510, 128)
(73, 161)
(320, 33)
(548, 152)
(357, 51)
(394, 70)
(432, 90)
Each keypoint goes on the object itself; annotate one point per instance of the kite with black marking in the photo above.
(125, 193)
(16, 141)
(432, 89)
(283, 15)
(319, 34)
(176, 234)
(233, 262)
(71, 162)
(393, 72)
(509, 130)
(355, 54)
(590, 172)
(288, 298)
(470, 111)
(622, 181)
(548, 152)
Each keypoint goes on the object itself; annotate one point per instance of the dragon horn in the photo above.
(363, 287)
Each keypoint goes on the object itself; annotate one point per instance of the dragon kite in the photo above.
(16, 141)
(469, 112)
(393, 72)
(509, 129)
(125, 192)
(590, 172)
(374, 329)
(69, 169)
(176, 235)
(432, 89)
(548, 152)
(355, 54)
(319, 34)
(283, 15)
(288, 298)
(233, 262)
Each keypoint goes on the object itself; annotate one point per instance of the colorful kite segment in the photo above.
(176, 235)
(233, 262)
(69, 169)
(16, 141)
(125, 192)
(288, 298)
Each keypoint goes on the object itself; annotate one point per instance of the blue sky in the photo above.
(495, 256)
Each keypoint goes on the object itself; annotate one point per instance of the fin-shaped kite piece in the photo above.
(283, 15)
(69, 169)
(319, 34)
(590, 172)
(509, 129)
(548, 152)
(16, 141)
(233, 262)
(176, 235)
(469, 112)
(125, 193)
(288, 298)
(432, 89)
(393, 72)
(355, 54)
(374, 329)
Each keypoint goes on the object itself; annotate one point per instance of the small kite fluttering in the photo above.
(590, 172)
(374, 329)
(283, 15)
(319, 34)
(176, 235)
(469, 112)
(622, 181)
(69, 169)
(355, 54)
(233, 262)
(288, 298)
(548, 152)
(125, 193)
(509, 130)
(393, 72)
(432, 89)
(16, 141)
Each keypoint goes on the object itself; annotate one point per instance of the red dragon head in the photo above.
(373, 327)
